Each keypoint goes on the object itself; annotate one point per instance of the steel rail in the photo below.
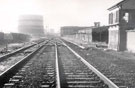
(57, 68)
(14, 52)
(19, 50)
(103, 77)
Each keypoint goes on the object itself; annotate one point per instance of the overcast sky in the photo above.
(56, 12)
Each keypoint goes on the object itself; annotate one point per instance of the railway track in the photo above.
(104, 74)
(74, 73)
(55, 65)
(10, 59)
(12, 63)
(3, 57)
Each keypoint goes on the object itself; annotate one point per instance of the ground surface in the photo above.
(119, 64)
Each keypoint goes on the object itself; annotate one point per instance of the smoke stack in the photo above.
(97, 24)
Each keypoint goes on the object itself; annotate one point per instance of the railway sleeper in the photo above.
(123, 87)
(80, 76)
(93, 83)
(16, 81)
(13, 83)
(82, 79)
(9, 85)
(80, 72)
(50, 84)
(86, 86)
(17, 77)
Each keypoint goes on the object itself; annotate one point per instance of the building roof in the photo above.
(100, 29)
(117, 5)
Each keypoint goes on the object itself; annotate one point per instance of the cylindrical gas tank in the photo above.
(32, 25)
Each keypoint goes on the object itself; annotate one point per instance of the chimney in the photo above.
(97, 24)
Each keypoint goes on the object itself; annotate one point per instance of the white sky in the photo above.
(56, 12)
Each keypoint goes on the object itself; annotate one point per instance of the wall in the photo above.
(122, 39)
(131, 41)
(70, 30)
(86, 34)
(129, 4)
(100, 34)
(113, 37)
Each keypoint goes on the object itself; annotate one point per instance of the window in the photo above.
(111, 18)
(126, 17)
(117, 16)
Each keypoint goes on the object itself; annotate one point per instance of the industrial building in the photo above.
(121, 19)
(87, 34)
(120, 32)
(70, 31)
(32, 25)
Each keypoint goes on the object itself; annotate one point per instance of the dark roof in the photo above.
(118, 4)
(73, 27)
(100, 29)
